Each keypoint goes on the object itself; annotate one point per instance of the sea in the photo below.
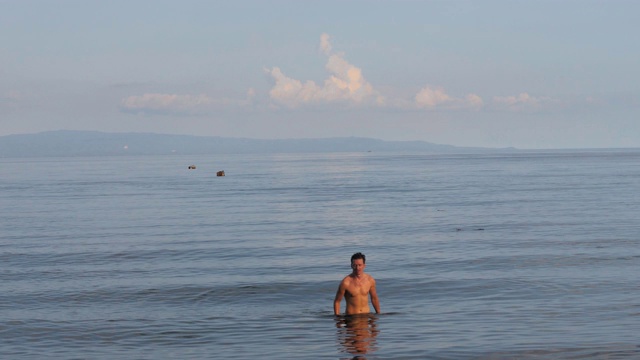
(503, 255)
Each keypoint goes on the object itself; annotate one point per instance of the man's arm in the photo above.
(374, 297)
(338, 298)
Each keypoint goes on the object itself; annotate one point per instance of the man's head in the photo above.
(358, 255)
(357, 263)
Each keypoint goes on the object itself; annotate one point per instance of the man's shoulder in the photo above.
(349, 279)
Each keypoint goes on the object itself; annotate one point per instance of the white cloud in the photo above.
(14, 95)
(522, 102)
(523, 98)
(292, 92)
(165, 101)
(325, 45)
(11, 101)
(474, 101)
(346, 84)
(251, 93)
(179, 103)
(431, 98)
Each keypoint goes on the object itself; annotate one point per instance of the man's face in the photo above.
(358, 266)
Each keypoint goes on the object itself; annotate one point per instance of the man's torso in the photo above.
(356, 294)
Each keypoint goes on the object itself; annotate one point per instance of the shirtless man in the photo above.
(355, 287)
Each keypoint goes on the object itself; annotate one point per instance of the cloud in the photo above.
(474, 101)
(11, 97)
(11, 101)
(165, 101)
(345, 85)
(432, 98)
(291, 92)
(178, 103)
(14, 95)
(523, 98)
(325, 45)
(522, 102)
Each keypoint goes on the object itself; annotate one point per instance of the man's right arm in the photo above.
(338, 298)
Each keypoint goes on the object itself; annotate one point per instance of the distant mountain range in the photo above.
(92, 143)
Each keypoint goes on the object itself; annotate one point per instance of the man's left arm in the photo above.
(374, 297)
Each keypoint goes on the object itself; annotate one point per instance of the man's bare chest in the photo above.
(358, 289)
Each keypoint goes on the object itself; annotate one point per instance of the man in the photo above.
(356, 288)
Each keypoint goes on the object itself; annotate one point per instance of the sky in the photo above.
(526, 74)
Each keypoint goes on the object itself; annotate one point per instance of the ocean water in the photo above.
(530, 255)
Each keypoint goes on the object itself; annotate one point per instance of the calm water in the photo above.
(507, 256)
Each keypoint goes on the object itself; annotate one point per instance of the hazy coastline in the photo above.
(65, 143)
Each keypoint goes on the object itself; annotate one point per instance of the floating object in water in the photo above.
(220, 173)
(479, 229)
(192, 167)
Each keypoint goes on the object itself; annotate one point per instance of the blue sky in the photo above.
(528, 74)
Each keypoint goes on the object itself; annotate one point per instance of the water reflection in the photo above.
(357, 334)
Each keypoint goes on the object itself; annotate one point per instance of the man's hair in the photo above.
(359, 255)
